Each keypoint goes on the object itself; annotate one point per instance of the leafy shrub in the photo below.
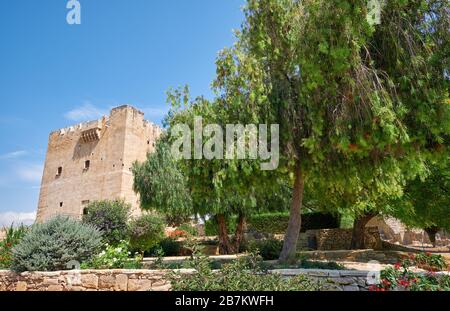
(115, 257)
(168, 246)
(145, 232)
(52, 245)
(310, 264)
(401, 277)
(430, 262)
(268, 249)
(13, 237)
(189, 229)
(244, 274)
(110, 217)
(176, 219)
(212, 227)
(277, 223)
(177, 233)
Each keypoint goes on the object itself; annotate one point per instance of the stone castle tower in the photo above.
(92, 161)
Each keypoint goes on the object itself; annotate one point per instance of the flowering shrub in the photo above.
(110, 218)
(188, 229)
(430, 262)
(146, 232)
(115, 257)
(178, 234)
(400, 276)
(13, 237)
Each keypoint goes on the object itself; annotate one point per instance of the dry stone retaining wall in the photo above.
(153, 280)
(85, 280)
(336, 239)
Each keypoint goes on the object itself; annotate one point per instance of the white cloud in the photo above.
(30, 173)
(13, 155)
(85, 112)
(154, 114)
(8, 218)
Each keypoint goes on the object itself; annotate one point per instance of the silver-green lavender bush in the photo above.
(53, 245)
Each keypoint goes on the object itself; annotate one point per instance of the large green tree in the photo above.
(426, 203)
(360, 106)
(411, 48)
(161, 185)
(221, 187)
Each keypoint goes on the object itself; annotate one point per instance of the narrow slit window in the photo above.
(59, 171)
(87, 164)
(61, 204)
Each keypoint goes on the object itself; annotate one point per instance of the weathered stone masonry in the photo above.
(153, 280)
(92, 161)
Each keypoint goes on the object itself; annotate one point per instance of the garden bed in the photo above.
(152, 280)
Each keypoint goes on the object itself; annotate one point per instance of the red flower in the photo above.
(404, 283)
(386, 283)
(428, 254)
(373, 288)
(397, 266)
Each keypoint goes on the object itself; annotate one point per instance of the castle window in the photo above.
(59, 171)
(85, 211)
(85, 202)
(61, 204)
(87, 165)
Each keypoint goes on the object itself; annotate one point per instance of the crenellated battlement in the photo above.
(92, 161)
(104, 122)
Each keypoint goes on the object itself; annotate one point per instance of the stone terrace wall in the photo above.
(152, 280)
(337, 239)
(332, 280)
(85, 280)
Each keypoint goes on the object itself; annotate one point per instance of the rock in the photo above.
(121, 282)
(161, 288)
(351, 288)
(21, 286)
(139, 285)
(106, 281)
(90, 281)
(55, 288)
(76, 288)
(50, 281)
(343, 281)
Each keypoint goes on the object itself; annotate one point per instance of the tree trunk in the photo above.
(359, 225)
(432, 231)
(239, 235)
(225, 246)
(295, 219)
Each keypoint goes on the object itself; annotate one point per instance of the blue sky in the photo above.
(124, 52)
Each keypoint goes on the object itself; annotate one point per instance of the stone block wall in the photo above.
(85, 280)
(154, 280)
(336, 239)
(332, 280)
